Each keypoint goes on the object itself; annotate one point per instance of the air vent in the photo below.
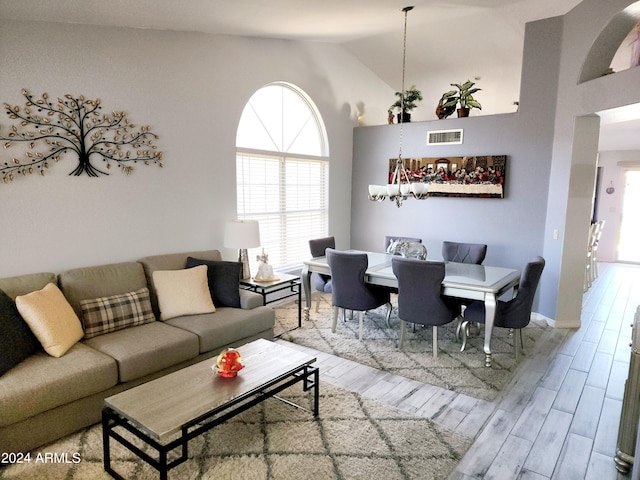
(444, 137)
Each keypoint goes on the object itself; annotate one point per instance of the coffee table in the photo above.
(168, 412)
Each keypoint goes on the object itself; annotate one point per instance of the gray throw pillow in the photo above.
(224, 280)
(17, 342)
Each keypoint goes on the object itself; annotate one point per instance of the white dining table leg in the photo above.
(489, 316)
(306, 287)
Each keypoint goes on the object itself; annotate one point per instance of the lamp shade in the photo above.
(242, 234)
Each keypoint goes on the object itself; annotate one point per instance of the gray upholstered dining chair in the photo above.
(591, 265)
(419, 296)
(515, 313)
(464, 252)
(321, 282)
(350, 292)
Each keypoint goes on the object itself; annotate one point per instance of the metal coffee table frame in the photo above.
(307, 374)
(292, 283)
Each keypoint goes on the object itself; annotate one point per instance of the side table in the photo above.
(290, 285)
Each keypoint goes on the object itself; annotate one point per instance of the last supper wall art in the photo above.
(481, 176)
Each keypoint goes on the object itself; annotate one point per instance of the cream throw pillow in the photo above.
(51, 319)
(183, 292)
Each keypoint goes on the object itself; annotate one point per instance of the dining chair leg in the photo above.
(460, 319)
(403, 333)
(361, 320)
(318, 301)
(336, 310)
(435, 341)
(464, 329)
(587, 274)
(477, 327)
(389, 308)
(519, 344)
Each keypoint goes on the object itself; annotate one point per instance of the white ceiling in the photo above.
(327, 20)
(441, 35)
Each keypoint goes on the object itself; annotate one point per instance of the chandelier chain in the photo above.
(404, 63)
(395, 190)
(399, 171)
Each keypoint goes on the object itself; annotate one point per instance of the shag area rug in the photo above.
(353, 438)
(461, 372)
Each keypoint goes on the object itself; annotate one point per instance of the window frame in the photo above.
(285, 160)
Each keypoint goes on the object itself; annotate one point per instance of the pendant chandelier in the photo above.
(400, 186)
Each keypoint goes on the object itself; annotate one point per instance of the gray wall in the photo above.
(191, 89)
(582, 91)
(553, 139)
(512, 227)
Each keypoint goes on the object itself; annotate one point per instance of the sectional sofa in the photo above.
(45, 397)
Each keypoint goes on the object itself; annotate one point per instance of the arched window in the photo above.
(282, 172)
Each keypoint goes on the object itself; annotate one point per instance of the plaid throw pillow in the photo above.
(108, 314)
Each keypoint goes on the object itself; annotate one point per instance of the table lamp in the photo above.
(242, 234)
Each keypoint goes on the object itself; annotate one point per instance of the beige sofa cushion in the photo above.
(42, 382)
(226, 326)
(51, 319)
(146, 348)
(183, 292)
(249, 300)
(22, 284)
(109, 314)
(100, 281)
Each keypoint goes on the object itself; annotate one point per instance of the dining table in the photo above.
(462, 280)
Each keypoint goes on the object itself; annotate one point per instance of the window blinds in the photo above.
(287, 195)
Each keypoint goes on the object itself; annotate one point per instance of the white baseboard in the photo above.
(554, 323)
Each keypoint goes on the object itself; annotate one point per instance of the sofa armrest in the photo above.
(249, 300)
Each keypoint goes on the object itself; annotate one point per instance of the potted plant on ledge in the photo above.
(405, 103)
(463, 96)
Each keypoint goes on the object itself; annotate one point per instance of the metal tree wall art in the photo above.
(50, 128)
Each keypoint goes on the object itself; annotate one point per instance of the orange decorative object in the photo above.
(229, 363)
